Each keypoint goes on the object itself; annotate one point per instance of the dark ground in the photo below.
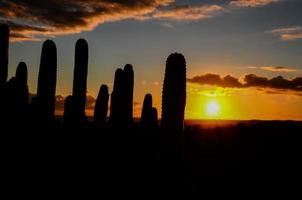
(248, 156)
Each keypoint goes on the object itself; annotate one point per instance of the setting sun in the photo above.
(212, 109)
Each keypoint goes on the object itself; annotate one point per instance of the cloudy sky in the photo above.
(240, 53)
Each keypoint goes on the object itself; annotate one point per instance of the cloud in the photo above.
(278, 69)
(36, 20)
(252, 3)
(215, 79)
(250, 80)
(189, 13)
(275, 68)
(288, 33)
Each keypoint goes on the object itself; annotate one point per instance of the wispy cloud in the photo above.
(279, 69)
(188, 13)
(275, 68)
(288, 33)
(252, 3)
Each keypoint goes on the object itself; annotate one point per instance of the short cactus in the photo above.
(22, 95)
(101, 107)
(67, 118)
(149, 114)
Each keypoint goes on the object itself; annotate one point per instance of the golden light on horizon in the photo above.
(212, 109)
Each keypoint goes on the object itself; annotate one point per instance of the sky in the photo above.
(219, 38)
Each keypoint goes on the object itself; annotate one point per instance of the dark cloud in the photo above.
(250, 80)
(215, 79)
(37, 19)
(253, 80)
(229, 81)
(33, 19)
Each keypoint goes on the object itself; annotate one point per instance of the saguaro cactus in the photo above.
(149, 114)
(154, 118)
(22, 95)
(4, 44)
(101, 107)
(47, 81)
(67, 118)
(117, 99)
(80, 81)
(121, 108)
(174, 92)
(129, 86)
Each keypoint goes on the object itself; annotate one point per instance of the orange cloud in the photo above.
(35, 20)
(188, 12)
(252, 3)
(278, 69)
(31, 20)
(289, 33)
(275, 68)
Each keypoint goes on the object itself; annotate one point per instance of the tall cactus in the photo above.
(80, 81)
(101, 107)
(129, 86)
(121, 108)
(174, 92)
(4, 44)
(117, 97)
(47, 82)
(149, 114)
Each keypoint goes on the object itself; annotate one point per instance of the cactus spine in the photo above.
(101, 107)
(4, 44)
(174, 92)
(47, 82)
(80, 81)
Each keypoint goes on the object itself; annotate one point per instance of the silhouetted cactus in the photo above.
(101, 107)
(67, 118)
(22, 96)
(4, 44)
(174, 92)
(121, 108)
(129, 86)
(154, 118)
(117, 96)
(80, 81)
(21, 81)
(149, 114)
(45, 100)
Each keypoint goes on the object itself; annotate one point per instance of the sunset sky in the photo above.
(217, 37)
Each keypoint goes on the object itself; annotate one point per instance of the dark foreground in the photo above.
(249, 157)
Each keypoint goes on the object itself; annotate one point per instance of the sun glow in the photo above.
(212, 109)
